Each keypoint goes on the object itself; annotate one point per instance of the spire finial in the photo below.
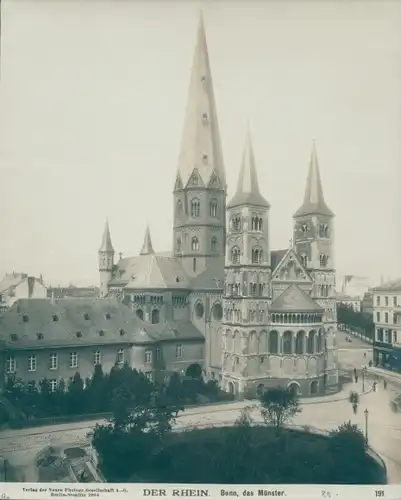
(106, 245)
(147, 247)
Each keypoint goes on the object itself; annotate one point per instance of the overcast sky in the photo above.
(93, 95)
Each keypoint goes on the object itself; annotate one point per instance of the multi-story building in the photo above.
(16, 286)
(367, 303)
(222, 300)
(387, 319)
(72, 291)
(352, 302)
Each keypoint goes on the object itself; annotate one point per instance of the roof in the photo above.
(201, 144)
(293, 299)
(248, 192)
(276, 256)
(212, 278)
(14, 279)
(389, 286)
(106, 245)
(97, 322)
(147, 247)
(60, 292)
(150, 271)
(314, 203)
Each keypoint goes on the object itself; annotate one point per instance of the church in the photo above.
(264, 317)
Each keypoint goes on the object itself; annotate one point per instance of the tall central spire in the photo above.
(314, 200)
(248, 192)
(106, 245)
(201, 146)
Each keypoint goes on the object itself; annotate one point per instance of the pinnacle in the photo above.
(106, 245)
(147, 247)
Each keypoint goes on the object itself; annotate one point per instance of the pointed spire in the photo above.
(106, 245)
(147, 247)
(248, 192)
(314, 203)
(201, 145)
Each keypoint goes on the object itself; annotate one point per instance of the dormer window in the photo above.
(14, 337)
(86, 316)
(122, 332)
(101, 333)
(25, 318)
(204, 159)
(79, 335)
(205, 120)
(55, 318)
(107, 315)
(39, 336)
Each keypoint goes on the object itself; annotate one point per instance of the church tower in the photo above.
(314, 242)
(247, 279)
(200, 186)
(106, 261)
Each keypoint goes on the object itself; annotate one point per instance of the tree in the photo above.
(76, 396)
(278, 406)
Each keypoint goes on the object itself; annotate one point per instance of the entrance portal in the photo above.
(230, 388)
(194, 371)
(314, 387)
(293, 388)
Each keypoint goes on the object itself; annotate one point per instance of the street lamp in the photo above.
(366, 426)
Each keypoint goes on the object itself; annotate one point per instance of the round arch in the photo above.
(314, 387)
(293, 388)
(194, 371)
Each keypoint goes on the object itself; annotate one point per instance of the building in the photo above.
(222, 301)
(387, 319)
(267, 316)
(71, 291)
(367, 303)
(56, 339)
(15, 286)
(353, 302)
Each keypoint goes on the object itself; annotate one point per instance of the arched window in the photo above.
(199, 310)
(261, 289)
(304, 260)
(257, 256)
(323, 260)
(273, 342)
(304, 229)
(195, 208)
(194, 264)
(300, 343)
(236, 224)
(213, 244)
(256, 223)
(195, 243)
(235, 255)
(217, 312)
(287, 343)
(139, 313)
(179, 207)
(311, 342)
(155, 316)
(213, 208)
(178, 245)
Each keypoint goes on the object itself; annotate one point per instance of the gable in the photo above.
(178, 183)
(195, 180)
(215, 181)
(291, 269)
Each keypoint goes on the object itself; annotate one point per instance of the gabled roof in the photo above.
(291, 256)
(150, 271)
(293, 299)
(169, 330)
(201, 144)
(314, 203)
(248, 192)
(212, 278)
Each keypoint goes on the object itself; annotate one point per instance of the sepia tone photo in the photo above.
(200, 272)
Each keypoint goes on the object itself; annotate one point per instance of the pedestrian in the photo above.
(355, 408)
(385, 383)
(356, 378)
(370, 364)
(364, 354)
(374, 386)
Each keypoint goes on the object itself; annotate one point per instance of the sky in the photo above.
(92, 103)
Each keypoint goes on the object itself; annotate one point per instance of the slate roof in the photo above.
(212, 278)
(389, 286)
(98, 322)
(293, 299)
(150, 271)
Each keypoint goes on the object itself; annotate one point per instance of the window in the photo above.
(235, 255)
(155, 316)
(323, 230)
(25, 318)
(148, 356)
(194, 265)
(107, 315)
(394, 337)
(55, 318)
(378, 301)
(217, 312)
(304, 229)
(323, 260)
(213, 244)
(14, 337)
(97, 357)
(120, 357)
(53, 385)
(236, 224)
(395, 300)
(394, 319)
(199, 310)
(386, 317)
(378, 316)
(380, 334)
(386, 301)
(158, 354)
(179, 207)
(304, 260)
(149, 376)
(79, 335)
(139, 313)
(256, 224)
(53, 361)
(178, 245)
(101, 333)
(73, 359)
(86, 316)
(195, 244)
(253, 289)
(122, 332)
(32, 363)
(205, 121)
(257, 256)
(11, 364)
(213, 208)
(195, 208)
(178, 351)
(39, 336)
(204, 159)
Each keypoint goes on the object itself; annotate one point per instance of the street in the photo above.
(384, 426)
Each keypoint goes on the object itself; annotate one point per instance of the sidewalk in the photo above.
(387, 374)
(339, 396)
